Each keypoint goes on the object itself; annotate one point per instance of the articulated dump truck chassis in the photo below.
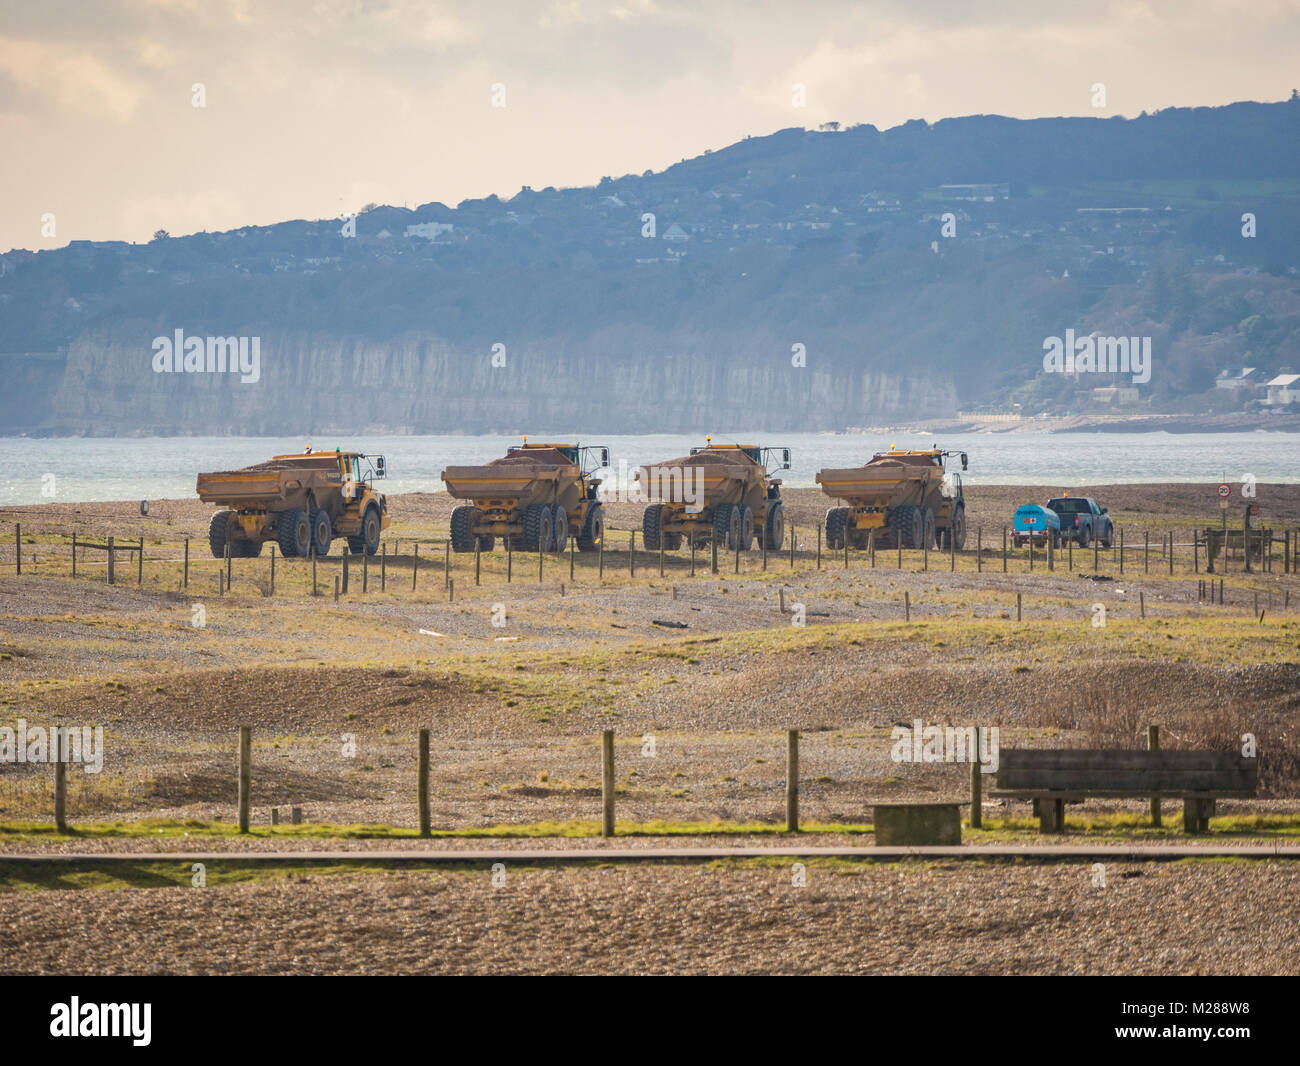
(720, 490)
(536, 495)
(898, 496)
(301, 502)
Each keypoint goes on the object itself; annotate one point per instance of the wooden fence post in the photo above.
(415, 563)
(365, 571)
(607, 781)
(979, 550)
(792, 546)
(245, 774)
(478, 563)
(907, 606)
(346, 556)
(59, 745)
(111, 559)
(792, 781)
(187, 562)
(74, 555)
(1017, 607)
(977, 783)
(422, 784)
(1004, 549)
(573, 548)
(272, 568)
(446, 562)
(819, 545)
(1153, 744)
(631, 554)
(139, 564)
(383, 567)
(18, 546)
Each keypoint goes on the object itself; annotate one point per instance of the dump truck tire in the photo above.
(462, 528)
(217, 534)
(560, 529)
(652, 519)
(368, 539)
(837, 521)
(906, 521)
(537, 528)
(726, 525)
(958, 530)
(746, 529)
(293, 531)
(774, 527)
(593, 529)
(322, 531)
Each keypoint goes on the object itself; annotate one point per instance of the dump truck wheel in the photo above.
(726, 525)
(774, 533)
(322, 531)
(293, 531)
(652, 519)
(907, 524)
(217, 534)
(560, 529)
(837, 520)
(537, 528)
(368, 540)
(593, 529)
(958, 530)
(927, 528)
(245, 549)
(462, 528)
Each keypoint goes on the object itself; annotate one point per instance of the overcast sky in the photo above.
(317, 107)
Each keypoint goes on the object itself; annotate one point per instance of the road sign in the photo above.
(1225, 490)
(1223, 505)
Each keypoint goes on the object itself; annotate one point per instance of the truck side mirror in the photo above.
(1105, 511)
(785, 457)
(604, 457)
(379, 466)
(963, 460)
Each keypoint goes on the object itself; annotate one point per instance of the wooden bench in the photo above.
(1051, 777)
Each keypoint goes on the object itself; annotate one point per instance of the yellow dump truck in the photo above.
(721, 490)
(538, 495)
(301, 502)
(899, 495)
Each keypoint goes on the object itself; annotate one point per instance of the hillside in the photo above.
(830, 239)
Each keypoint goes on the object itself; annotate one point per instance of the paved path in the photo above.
(623, 853)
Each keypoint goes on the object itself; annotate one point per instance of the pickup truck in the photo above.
(1082, 521)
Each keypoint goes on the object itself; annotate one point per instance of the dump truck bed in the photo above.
(880, 480)
(719, 476)
(265, 483)
(520, 475)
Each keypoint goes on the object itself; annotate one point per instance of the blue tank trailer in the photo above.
(1040, 525)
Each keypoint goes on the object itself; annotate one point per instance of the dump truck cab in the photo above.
(902, 496)
(538, 495)
(722, 491)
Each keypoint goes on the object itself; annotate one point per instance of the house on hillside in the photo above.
(430, 231)
(676, 233)
(1241, 380)
(1283, 389)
